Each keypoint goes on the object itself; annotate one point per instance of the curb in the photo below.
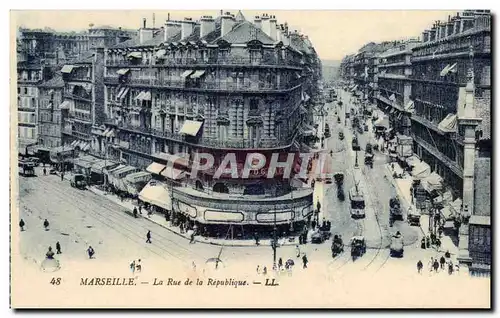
(181, 235)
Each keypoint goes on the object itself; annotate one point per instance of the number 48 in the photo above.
(55, 281)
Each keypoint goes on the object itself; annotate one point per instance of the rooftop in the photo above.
(56, 81)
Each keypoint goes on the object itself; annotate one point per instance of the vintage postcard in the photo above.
(251, 159)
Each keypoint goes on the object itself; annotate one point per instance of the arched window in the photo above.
(199, 185)
(254, 189)
(220, 188)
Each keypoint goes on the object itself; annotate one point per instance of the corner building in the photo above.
(218, 86)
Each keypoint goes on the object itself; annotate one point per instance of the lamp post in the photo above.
(356, 165)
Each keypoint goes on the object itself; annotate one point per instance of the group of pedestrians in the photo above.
(136, 266)
(444, 263)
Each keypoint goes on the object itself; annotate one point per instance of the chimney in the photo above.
(279, 34)
(266, 25)
(432, 34)
(186, 28)
(145, 34)
(272, 30)
(168, 16)
(450, 26)
(171, 29)
(442, 27)
(227, 23)
(456, 29)
(207, 25)
(257, 22)
(425, 36)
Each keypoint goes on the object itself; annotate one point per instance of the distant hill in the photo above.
(330, 70)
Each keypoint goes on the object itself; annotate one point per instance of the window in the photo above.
(19, 90)
(220, 188)
(25, 91)
(254, 106)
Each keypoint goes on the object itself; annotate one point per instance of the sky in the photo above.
(334, 34)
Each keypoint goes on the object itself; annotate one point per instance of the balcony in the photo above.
(230, 144)
(243, 61)
(76, 97)
(210, 86)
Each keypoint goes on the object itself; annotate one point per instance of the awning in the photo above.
(191, 127)
(197, 74)
(156, 193)
(172, 173)
(136, 177)
(447, 213)
(305, 97)
(123, 71)
(144, 96)
(51, 92)
(392, 97)
(110, 170)
(155, 168)
(110, 133)
(67, 69)
(160, 53)
(412, 161)
(86, 146)
(382, 122)
(120, 173)
(101, 165)
(122, 93)
(106, 131)
(421, 170)
(65, 105)
(302, 109)
(82, 163)
(448, 124)
(140, 95)
(456, 206)
(410, 107)
(74, 143)
(186, 73)
(175, 159)
(449, 68)
(399, 116)
(432, 182)
(136, 55)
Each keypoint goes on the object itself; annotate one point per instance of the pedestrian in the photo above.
(442, 261)
(50, 254)
(438, 244)
(258, 269)
(419, 266)
(436, 265)
(192, 237)
(148, 237)
(58, 248)
(297, 250)
(447, 254)
(422, 244)
(280, 263)
(450, 268)
(428, 241)
(431, 264)
(132, 266)
(256, 238)
(44, 171)
(140, 209)
(46, 225)
(193, 264)
(135, 212)
(62, 176)
(304, 261)
(90, 252)
(318, 205)
(264, 271)
(138, 266)
(22, 224)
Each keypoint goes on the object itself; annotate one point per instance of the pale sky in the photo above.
(334, 34)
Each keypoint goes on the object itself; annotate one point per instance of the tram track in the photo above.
(120, 224)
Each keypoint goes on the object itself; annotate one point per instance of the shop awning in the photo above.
(65, 105)
(191, 127)
(432, 182)
(110, 133)
(392, 98)
(410, 107)
(147, 96)
(136, 177)
(172, 173)
(449, 68)
(456, 206)
(74, 143)
(197, 74)
(447, 213)
(135, 55)
(160, 53)
(156, 193)
(101, 165)
(448, 124)
(175, 159)
(86, 146)
(122, 93)
(186, 73)
(124, 171)
(141, 94)
(123, 71)
(155, 168)
(83, 163)
(412, 161)
(110, 170)
(382, 122)
(421, 170)
(67, 69)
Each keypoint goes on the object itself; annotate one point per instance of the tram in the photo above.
(26, 168)
(357, 199)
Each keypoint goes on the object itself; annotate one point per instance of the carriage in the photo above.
(358, 247)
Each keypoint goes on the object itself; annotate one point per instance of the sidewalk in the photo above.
(403, 186)
(160, 220)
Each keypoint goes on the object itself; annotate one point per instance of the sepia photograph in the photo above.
(250, 159)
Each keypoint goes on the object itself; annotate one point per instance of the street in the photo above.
(79, 219)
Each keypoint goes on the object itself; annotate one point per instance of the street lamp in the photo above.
(356, 162)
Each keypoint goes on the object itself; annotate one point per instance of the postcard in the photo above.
(251, 159)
